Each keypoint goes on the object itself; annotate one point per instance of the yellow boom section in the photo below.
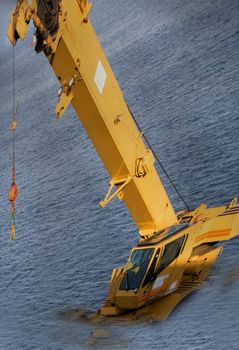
(87, 81)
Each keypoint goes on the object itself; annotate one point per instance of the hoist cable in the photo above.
(12, 195)
(13, 114)
(159, 162)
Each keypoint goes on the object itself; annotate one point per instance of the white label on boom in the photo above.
(100, 77)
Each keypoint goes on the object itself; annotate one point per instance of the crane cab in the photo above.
(154, 269)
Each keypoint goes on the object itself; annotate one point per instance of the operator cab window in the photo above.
(171, 252)
(136, 268)
(151, 271)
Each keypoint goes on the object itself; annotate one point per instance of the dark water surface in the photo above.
(177, 62)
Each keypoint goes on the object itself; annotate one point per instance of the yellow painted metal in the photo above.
(160, 308)
(14, 124)
(100, 105)
(202, 228)
(12, 233)
(18, 22)
(88, 82)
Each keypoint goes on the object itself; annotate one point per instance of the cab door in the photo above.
(169, 272)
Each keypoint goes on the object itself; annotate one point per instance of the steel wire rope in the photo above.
(12, 195)
(13, 113)
(159, 162)
(147, 142)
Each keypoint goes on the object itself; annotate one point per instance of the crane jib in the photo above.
(65, 34)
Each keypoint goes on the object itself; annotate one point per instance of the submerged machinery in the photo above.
(176, 250)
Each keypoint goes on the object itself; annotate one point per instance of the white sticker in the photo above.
(172, 286)
(160, 281)
(100, 77)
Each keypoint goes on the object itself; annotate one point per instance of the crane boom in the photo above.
(66, 35)
(176, 252)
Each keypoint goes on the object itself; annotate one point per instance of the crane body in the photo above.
(176, 250)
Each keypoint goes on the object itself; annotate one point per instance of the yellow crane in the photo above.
(176, 250)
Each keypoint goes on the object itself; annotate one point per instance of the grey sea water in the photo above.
(177, 62)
